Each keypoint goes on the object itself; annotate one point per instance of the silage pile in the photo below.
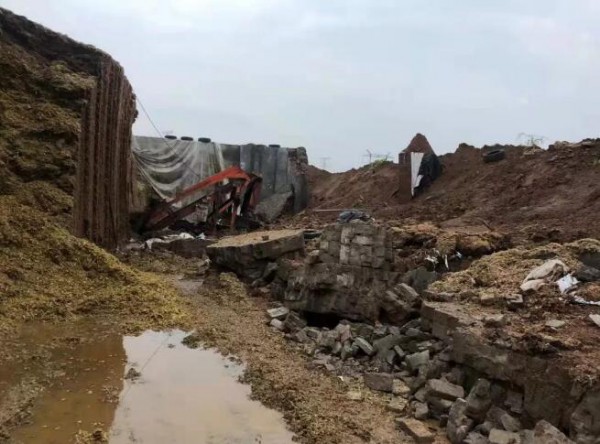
(501, 274)
(45, 271)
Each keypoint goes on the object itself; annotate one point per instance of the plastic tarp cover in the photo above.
(415, 166)
(170, 166)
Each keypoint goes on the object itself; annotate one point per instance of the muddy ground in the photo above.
(226, 316)
(313, 402)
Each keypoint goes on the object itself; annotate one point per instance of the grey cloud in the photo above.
(343, 76)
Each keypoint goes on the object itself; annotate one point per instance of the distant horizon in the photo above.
(341, 77)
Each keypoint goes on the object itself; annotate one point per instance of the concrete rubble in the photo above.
(428, 351)
(250, 255)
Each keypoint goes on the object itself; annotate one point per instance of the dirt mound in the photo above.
(370, 187)
(539, 195)
(418, 144)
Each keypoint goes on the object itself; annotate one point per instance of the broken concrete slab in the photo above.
(417, 360)
(443, 318)
(546, 433)
(400, 388)
(510, 423)
(278, 312)
(459, 424)
(382, 382)
(479, 399)
(293, 322)
(364, 345)
(417, 430)
(249, 254)
(547, 397)
(584, 424)
(421, 410)
(499, 436)
(476, 438)
(397, 405)
(445, 390)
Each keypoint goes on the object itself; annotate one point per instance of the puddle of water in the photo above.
(183, 395)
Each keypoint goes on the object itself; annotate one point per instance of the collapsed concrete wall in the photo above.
(492, 361)
(66, 111)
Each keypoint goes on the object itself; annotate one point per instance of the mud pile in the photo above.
(541, 195)
(66, 111)
(371, 187)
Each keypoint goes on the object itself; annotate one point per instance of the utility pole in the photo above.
(324, 161)
(375, 156)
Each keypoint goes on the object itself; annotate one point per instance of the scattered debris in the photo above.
(132, 374)
(555, 323)
(567, 283)
(278, 312)
(352, 215)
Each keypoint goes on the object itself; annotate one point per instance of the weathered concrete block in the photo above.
(416, 430)
(479, 400)
(249, 254)
(546, 433)
(498, 436)
(382, 382)
(445, 390)
(278, 312)
(417, 360)
(548, 388)
(585, 419)
(459, 425)
(444, 318)
(364, 345)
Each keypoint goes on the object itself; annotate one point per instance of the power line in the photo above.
(163, 137)
(150, 119)
(324, 161)
(375, 156)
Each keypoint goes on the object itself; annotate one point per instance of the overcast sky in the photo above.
(343, 76)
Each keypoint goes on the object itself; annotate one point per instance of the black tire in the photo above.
(187, 138)
(311, 234)
(274, 145)
(494, 156)
(170, 137)
(204, 139)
